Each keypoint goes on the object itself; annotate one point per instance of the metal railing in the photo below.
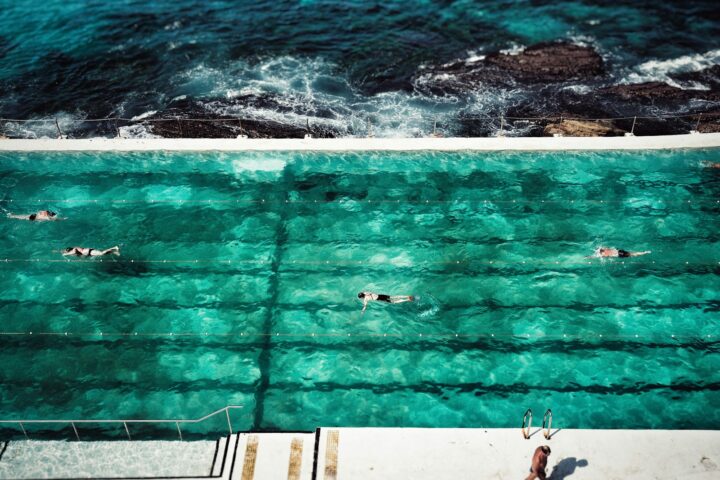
(527, 424)
(500, 123)
(125, 422)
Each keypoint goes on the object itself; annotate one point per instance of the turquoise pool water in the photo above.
(239, 273)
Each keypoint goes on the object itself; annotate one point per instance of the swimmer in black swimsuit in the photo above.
(90, 252)
(380, 297)
(604, 252)
(42, 215)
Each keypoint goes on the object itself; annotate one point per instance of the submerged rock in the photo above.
(542, 63)
(583, 128)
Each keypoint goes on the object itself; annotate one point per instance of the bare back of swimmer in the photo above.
(89, 252)
(381, 297)
(605, 252)
(40, 216)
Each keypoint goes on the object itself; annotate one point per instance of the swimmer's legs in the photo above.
(113, 250)
(401, 298)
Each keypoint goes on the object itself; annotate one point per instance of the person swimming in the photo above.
(90, 252)
(40, 216)
(367, 297)
(606, 252)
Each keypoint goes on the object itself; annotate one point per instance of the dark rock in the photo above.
(550, 62)
(583, 128)
(542, 63)
(708, 122)
(191, 119)
(710, 77)
(652, 92)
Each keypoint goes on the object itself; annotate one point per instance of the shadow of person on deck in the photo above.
(566, 467)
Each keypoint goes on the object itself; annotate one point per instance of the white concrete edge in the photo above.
(693, 140)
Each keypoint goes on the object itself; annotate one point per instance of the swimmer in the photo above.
(379, 297)
(40, 216)
(90, 252)
(605, 252)
(709, 164)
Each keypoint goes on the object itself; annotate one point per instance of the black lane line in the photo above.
(232, 465)
(264, 359)
(225, 455)
(315, 453)
(212, 465)
(3, 450)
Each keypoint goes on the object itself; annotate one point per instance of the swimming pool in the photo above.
(239, 275)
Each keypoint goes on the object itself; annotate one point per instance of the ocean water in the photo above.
(239, 272)
(340, 64)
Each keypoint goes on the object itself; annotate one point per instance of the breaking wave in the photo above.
(663, 70)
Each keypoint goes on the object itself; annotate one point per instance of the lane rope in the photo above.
(495, 263)
(466, 335)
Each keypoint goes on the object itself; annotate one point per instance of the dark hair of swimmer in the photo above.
(545, 449)
(68, 250)
(361, 295)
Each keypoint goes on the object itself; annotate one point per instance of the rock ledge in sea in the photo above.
(189, 119)
(541, 63)
(583, 128)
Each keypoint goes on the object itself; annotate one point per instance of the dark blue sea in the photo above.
(351, 66)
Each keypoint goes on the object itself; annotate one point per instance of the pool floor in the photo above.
(238, 278)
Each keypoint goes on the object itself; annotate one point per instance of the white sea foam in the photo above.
(306, 90)
(144, 115)
(42, 127)
(514, 49)
(660, 70)
(136, 131)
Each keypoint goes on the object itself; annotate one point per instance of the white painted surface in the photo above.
(382, 453)
(378, 453)
(704, 140)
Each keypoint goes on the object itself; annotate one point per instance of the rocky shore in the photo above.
(555, 88)
(539, 64)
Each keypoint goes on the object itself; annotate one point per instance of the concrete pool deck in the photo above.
(693, 140)
(378, 453)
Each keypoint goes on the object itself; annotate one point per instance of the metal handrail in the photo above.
(468, 116)
(547, 417)
(125, 421)
(527, 416)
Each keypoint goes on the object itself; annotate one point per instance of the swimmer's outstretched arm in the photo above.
(365, 302)
(18, 217)
(637, 254)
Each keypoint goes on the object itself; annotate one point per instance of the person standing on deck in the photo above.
(538, 463)
(380, 297)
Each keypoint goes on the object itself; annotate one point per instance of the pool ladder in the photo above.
(527, 424)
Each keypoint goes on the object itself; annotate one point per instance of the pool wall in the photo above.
(692, 140)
